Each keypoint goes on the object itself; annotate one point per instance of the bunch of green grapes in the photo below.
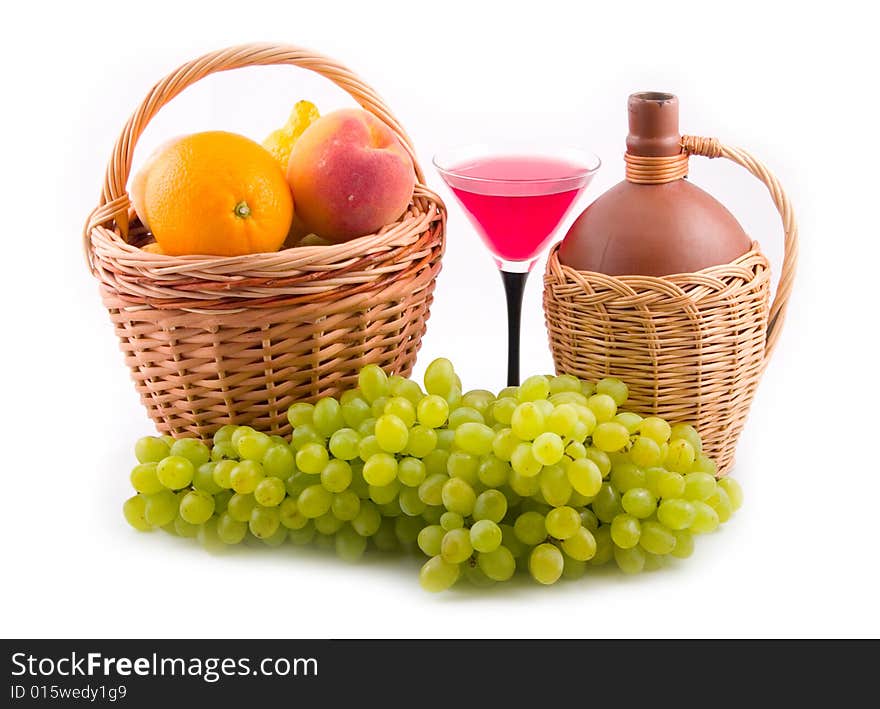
(549, 477)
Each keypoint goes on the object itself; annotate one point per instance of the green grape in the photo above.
(253, 446)
(346, 505)
(524, 486)
(639, 502)
(437, 575)
(350, 546)
(279, 462)
(581, 545)
(355, 411)
(704, 464)
(699, 486)
(510, 541)
(151, 449)
(589, 519)
(573, 569)
(431, 490)
(656, 539)
(366, 428)
(546, 563)
(385, 494)
(430, 539)
(548, 449)
(312, 458)
(458, 496)
(628, 420)
(298, 482)
(336, 475)
(392, 433)
(245, 476)
(224, 434)
(432, 515)
(182, 528)
(614, 388)
(327, 416)
(203, 479)
(689, 434)
(676, 514)
(196, 507)
(455, 548)
(221, 500)
(207, 535)
(230, 530)
(474, 438)
(192, 449)
(679, 456)
(368, 519)
(625, 531)
(290, 516)
(631, 560)
(407, 529)
(134, 510)
(654, 562)
(498, 565)
(277, 539)
(464, 414)
(656, 429)
(554, 485)
(411, 472)
(490, 505)
(432, 411)
(479, 399)
(493, 472)
(645, 452)
(565, 383)
(720, 502)
(300, 414)
(604, 546)
(344, 444)
(584, 476)
(406, 388)
(378, 406)
(527, 421)
(436, 462)
(304, 435)
(327, 523)
(314, 501)
(440, 377)
(610, 436)
(571, 398)
(422, 440)
(534, 388)
(705, 518)
(160, 509)
(144, 478)
(240, 507)
(684, 544)
(485, 536)
(562, 522)
(264, 521)
(576, 450)
(175, 472)
(269, 492)
(451, 520)
(603, 407)
(503, 408)
(402, 409)
(606, 503)
(734, 492)
(445, 439)
(410, 503)
(562, 420)
(601, 459)
(368, 447)
(224, 450)
(669, 484)
(302, 536)
(373, 383)
(504, 444)
(380, 469)
(625, 476)
(524, 462)
(530, 528)
(324, 541)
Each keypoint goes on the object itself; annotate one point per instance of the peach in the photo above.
(350, 175)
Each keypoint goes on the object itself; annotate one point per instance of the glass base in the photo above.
(515, 266)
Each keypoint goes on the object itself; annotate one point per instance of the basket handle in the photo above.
(712, 148)
(114, 198)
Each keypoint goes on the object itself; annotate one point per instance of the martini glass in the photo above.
(516, 199)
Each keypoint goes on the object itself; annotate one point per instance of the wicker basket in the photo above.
(691, 347)
(217, 340)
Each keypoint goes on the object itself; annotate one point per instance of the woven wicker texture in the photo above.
(692, 347)
(216, 340)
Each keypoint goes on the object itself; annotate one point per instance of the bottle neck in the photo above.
(655, 169)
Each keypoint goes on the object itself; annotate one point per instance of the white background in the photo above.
(794, 83)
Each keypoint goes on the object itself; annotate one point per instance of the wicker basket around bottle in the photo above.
(217, 340)
(692, 347)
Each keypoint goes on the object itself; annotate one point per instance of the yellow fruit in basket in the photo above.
(280, 142)
(215, 193)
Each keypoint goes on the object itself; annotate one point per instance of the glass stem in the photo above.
(514, 286)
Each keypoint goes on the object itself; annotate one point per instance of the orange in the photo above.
(214, 193)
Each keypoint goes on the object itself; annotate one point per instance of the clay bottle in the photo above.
(656, 222)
